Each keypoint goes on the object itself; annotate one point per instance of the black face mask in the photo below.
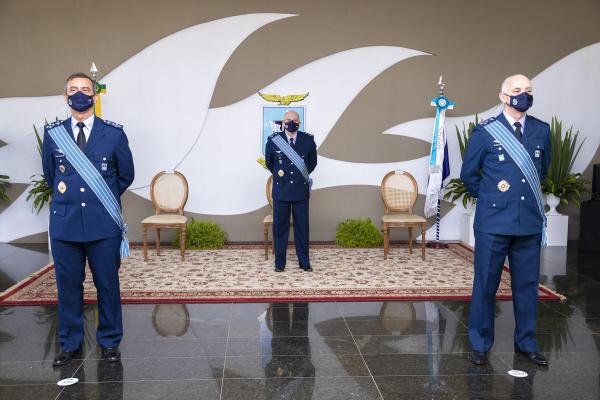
(80, 101)
(521, 102)
(291, 126)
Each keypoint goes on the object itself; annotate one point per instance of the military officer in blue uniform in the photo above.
(80, 227)
(291, 189)
(508, 219)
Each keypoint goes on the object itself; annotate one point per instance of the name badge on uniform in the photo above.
(538, 153)
(500, 157)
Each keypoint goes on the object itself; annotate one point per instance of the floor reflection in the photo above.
(171, 319)
(291, 321)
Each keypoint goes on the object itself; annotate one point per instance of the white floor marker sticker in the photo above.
(517, 373)
(67, 382)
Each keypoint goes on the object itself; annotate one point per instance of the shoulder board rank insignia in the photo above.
(53, 124)
(107, 122)
(489, 120)
(538, 120)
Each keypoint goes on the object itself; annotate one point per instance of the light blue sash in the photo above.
(517, 152)
(290, 153)
(92, 177)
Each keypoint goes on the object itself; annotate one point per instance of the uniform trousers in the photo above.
(523, 254)
(281, 230)
(69, 265)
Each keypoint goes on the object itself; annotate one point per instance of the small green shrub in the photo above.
(201, 235)
(358, 233)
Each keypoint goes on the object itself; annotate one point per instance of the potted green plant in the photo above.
(40, 192)
(4, 184)
(561, 185)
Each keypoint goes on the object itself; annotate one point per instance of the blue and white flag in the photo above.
(439, 166)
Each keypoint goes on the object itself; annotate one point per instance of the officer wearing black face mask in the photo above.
(506, 159)
(291, 156)
(88, 164)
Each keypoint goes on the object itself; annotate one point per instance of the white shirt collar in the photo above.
(87, 129)
(290, 136)
(512, 121)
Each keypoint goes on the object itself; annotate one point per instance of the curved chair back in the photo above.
(399, 192)
(169, 192)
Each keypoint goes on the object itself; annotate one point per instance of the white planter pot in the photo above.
(558, 229)
(552, 201)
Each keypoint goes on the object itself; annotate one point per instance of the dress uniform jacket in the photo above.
(505, 202)
(289, 184)
(76, 214)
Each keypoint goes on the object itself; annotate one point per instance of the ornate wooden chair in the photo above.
(268, 220)
(169, 193)
(399, 192)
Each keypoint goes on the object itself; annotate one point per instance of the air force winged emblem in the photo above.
(284, 100)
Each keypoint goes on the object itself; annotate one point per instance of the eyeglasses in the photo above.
(84, 89)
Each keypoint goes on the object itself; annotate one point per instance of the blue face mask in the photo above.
(80, 101)
(291, 126)
(521, 102)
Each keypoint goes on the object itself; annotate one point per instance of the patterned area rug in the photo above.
(240, 274)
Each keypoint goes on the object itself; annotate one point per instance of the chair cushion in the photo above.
(402, 218)
(165, 219)
(268, 219)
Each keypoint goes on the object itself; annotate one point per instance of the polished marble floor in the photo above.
(377, 350)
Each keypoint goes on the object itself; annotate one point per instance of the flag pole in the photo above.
(99, 89)
(437, 163)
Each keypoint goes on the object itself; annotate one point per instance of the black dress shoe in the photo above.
(277, 269)
(64, 357)
(478, 357)
(111, 354)
(534, 357)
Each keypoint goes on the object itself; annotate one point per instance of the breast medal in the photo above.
(280, 172)
(62, 187)
(503, 186)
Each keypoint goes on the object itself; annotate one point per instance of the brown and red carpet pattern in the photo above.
(240, 274)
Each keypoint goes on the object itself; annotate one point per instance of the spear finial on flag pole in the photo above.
(99, 89)
(93, 70)
(439, 167)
